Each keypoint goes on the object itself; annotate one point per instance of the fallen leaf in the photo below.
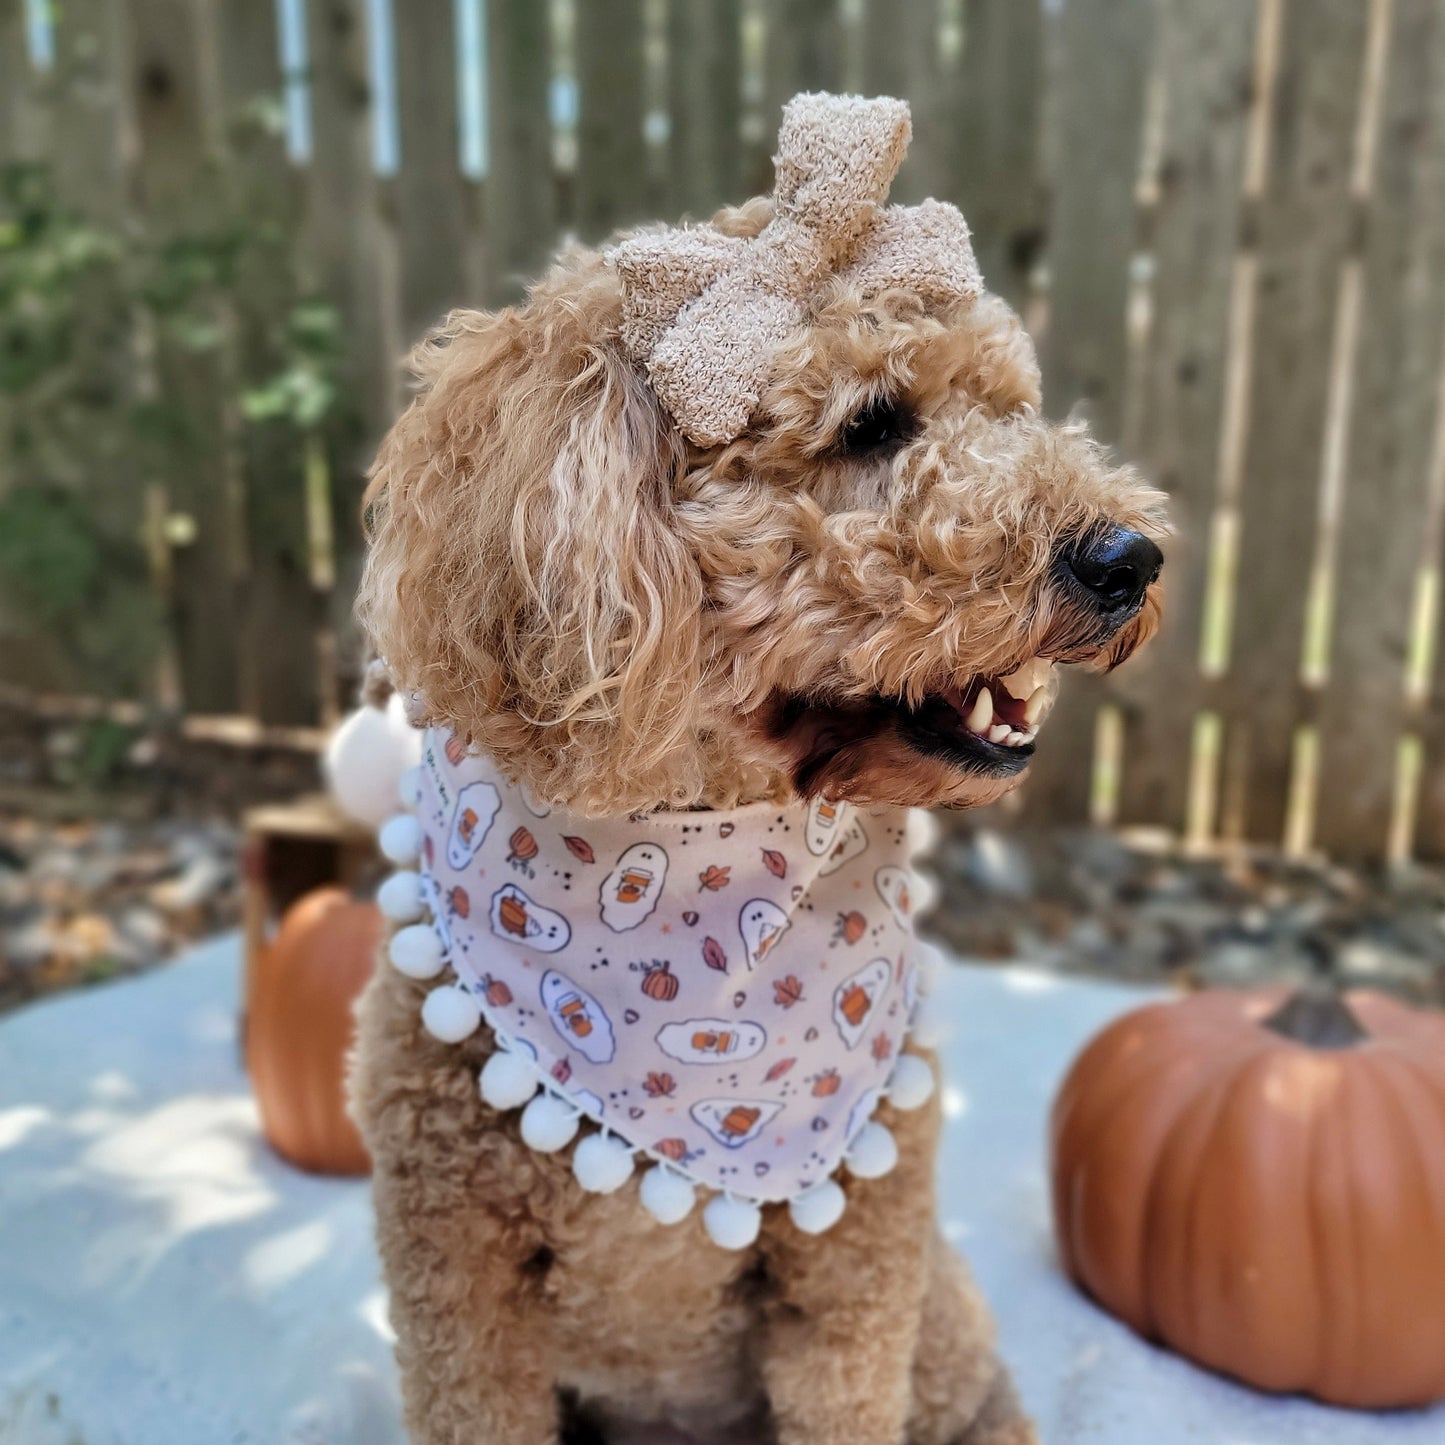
(777, 865)
(714, 878)
(787, 991)
(580, 848)
(713, 955)
(778, 1070)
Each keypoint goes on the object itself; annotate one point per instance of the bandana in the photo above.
(726, 994)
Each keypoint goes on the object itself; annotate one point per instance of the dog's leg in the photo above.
(473, 1340)
(842, 1310)
(962, 1394)
(466, 1265)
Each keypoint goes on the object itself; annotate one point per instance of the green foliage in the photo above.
(104, 332)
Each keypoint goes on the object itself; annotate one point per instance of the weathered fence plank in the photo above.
(278, 606)
(804, 50)
(705, 106)
(176, 191)
(1397, 399)
(521, 199)
(900, 57)
(1207, 55)
(349, 258)
(22, 130)
(1305, 226)
(612, 178)
(434, 202)
(1108, 46)
(992, 124)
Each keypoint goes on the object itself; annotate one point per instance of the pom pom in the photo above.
(923, 832)
(929, 1028)
(401, 898)
(911, 1086)
(408, 789)
(416, 951)
(925, 892)
(666, 1195)
(549, 1124)
(400, 839)
(365, 758)
(873, 1153)
(820, 1208)
(928, 967)
(602, 1164)
(450, 1014)
(508, 1080)
(732, 1223)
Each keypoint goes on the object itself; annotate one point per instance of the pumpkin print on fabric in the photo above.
(732, 1053)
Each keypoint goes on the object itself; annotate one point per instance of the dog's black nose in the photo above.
(1115, 566)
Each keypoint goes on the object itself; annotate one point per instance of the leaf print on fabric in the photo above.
(659, 1086)
(787, 991)
(775, 863)
(579, 848)
(713, 955)
(882, 1047)
(778, 1070)
(713, 878)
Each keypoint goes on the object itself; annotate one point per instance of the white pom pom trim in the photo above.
(820, 1208)
(873, 1153)
(602, 1164)
(416, 951)
(911, 1086)
(401, 898)
(408, 790)
(450, 1014)
(549, 1124)
(508, 1080)
(930, 1028)
(928, 967)
(400, 839)
(666, 1195)
(732, 1223)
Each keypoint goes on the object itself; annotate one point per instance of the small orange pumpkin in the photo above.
(659, 982)
(299, 1028)
(1259, 1183)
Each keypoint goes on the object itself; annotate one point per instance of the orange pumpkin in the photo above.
(659, 982)
(1259, 1183)
(299, 1028)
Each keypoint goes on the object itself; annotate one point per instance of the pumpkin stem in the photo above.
(1317, 1016)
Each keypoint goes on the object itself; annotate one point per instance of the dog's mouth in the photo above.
(987, 724)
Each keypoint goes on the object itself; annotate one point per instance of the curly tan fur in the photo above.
(626, 621)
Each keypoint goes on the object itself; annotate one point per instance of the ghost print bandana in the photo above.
(726, 992)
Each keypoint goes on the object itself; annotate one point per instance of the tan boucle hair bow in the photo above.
(704, 312)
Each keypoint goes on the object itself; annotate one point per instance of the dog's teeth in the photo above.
(1015, 738)
(999, 732)
(1034, 707)
(981, 713)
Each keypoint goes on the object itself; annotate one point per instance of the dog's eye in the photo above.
(882, 425)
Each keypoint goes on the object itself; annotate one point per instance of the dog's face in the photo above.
(862, 597)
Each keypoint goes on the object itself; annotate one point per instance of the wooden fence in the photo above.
(1223, 219)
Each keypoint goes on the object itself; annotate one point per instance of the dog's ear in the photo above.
(524, 575)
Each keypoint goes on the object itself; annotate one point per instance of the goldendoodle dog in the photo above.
(740, 538)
